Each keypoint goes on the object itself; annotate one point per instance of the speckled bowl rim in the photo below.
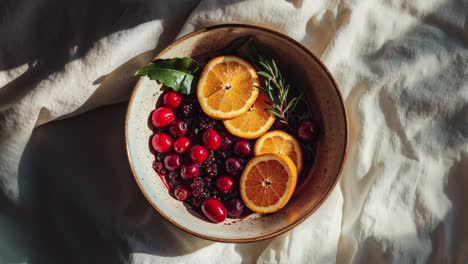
(326, 193)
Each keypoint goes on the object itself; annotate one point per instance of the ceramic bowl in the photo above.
(304, 70)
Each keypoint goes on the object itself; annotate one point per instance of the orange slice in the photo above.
(267, 183)
(281, 143)
(226, 87)
(253, 123)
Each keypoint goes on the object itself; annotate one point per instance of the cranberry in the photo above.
(162, 117)
(211, 139)
(226, 140)
(214, 210)
(182, 192)
(178, 128)
(172, 162)
(189, 171)
(279, 125)
(235, 207)
(307, 130)
(233, 166)
(182, 144)
(225, 184)
(243, 148)
(161, 142)
(172, 99)
(198, 154)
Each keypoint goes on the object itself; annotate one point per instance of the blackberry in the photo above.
(211, 169)
(211, 158)
(206, 122)
(187, 110)
(216, 194)
(203, 194)
(196, 193)
(198, 187)
(158, 166)
(208, 182)
(171, 179)
(196, 202)
(223, 154)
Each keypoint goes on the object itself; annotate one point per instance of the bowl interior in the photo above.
(303, 71)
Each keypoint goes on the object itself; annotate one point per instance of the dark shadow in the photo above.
(88, 208)
(12, 227)
(250, 252)
(450, 238)
(45, 35)
(68, 29)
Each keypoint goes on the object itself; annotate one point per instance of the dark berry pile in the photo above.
(199, 160)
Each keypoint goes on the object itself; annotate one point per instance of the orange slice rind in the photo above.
(281, 143)
(226, 88)
(253, 123)
(268, 182)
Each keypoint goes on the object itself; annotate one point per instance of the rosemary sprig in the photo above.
(277, 90)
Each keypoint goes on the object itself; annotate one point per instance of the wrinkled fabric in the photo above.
(67, 192)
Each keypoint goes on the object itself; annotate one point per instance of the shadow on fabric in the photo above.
(87, 208)
(46, 35)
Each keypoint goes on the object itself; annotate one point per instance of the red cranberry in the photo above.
(235, 207)
(182, 192)
(233, 166)
(172, 162)
(214, 210)
(182, 144)
(225, 184)
(279, 125)
(172, 99)
(243, 148)
(226, 140)
(211, 139)
(162, 117)
(198, 154)
(307, 130)
(161, 142)
(178, 128)
(189, 171)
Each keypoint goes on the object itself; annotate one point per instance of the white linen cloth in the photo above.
(402, 67)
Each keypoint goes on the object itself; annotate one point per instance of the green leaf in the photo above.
(286, 92)
(253, 52)
(235, 45)
(264, 74)
(274, 112)
(271, 93)
(177, 73)
(296, 102)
